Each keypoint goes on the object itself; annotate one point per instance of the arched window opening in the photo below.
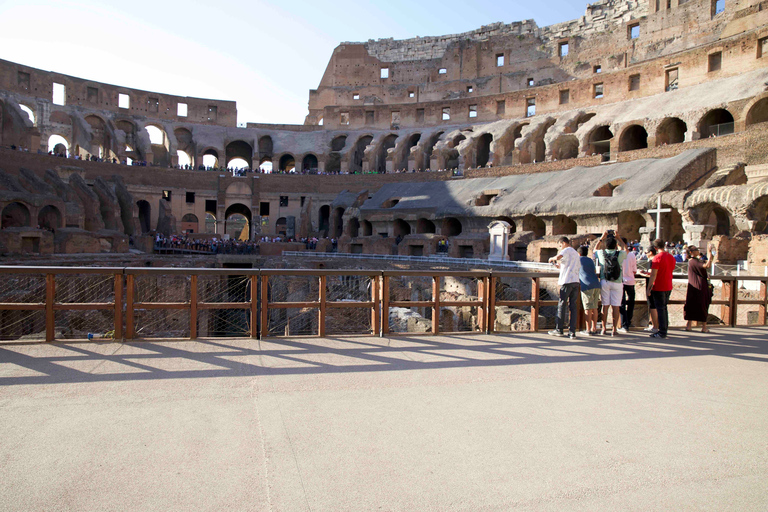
(211, 159)
(721, 220)
(358, 155)
(309, 164)
(49, 218)
(189, 223)
(671, 131)
(607, 189)
(508, 220)
(354, 227)
(563, 225)
(238, 163)
(338, 143)
(758, 113)
(58, 145)
(429, 148)
(29, 113)
(583, 118)
(210, 223)
(15, 215)
(716, 123)
(401, 228)
(287, 163)
(145, 215)
(281, 226)
(451, 227)
(239, 151)
(565, 147)
(425, 226)
(156, 135)
(412, 141)
(265, 165)
(237, 222)
(381, 156)
(534, 224)
(484, 149)
(184, 159)
(600, 141)
(634, 137)
(367, 228)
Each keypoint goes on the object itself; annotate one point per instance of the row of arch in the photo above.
(18, 215)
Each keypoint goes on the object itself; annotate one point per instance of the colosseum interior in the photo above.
(415, 146)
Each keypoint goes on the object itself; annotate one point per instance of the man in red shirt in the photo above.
(660, 286)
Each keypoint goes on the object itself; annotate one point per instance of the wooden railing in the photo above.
(124, 294)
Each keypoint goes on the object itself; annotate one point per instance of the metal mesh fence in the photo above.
(348, 321)
(223, 288)
(548, 290)
(348, 288)
(294, 288)
(160, 288)
(227, 323)
(22, 325)
(77, 325)
(409, 320)
(293, 322)
(513, 288)
(459, 319)
(459, 288)
(22, 288)
(410, 288)
(512, 319)
(158, 323)
(85, 288)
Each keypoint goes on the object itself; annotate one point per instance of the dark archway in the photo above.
(721, 220)
(189, 223)
(145, 215)
(338, 143)
(600, 140)
(281, 226)
(716, 123)
(15, 215)
(401, 228)
(337, 223)
(325, 220)
(451, 227)
(452, 161)
(358, 155)
(49, 218)
(211, 158)
(758, 113)
(565, 147)
(354, 227)
(508, 220)
(484, 149)
(429, 148)
(411, 142)
(367, 228)
(629, 224)
(425, 226)
(634, 137)
(563, 225)
(287, 163)
(237, 221)
(242, 150)
(309, 163)
(671, 131)
(535, 224)
(381, 155)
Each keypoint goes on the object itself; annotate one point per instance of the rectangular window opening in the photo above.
(598, 91)
(283, 200)
(344, 118)
(384, 73)
(182, 109)
(530, 82)
(23, 80)
(671, 80)
(563, 49)
(473, 111)
(190, 197)
(264, 209)
(597, 69)
(470, 88)
(530, 107)
(356, 96)
(446, 113)
(395, 120)
(501, 107)
(59, 94)
(210, 206)
(442, 71)
(499, 60)
(420, 115)
(213, 113)
(153, 104)
(92, 95)
(167, 195)
(565, 97)
(123, 101)
(762, 47)
(634, 31)
(718, 6)
(715, 61)
(411, 94)
(370, 117)
(634, 82)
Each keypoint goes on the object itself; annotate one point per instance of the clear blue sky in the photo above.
(265, 55)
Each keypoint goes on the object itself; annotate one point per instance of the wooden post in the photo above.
(492, 304)
(482, 308)
(734, 300)
(384, 305)
(375, 312)
(763, 298)
(50, 298)
(264, 307)
(254, 306)
(321, 314)
(130, 325)
(535, 308)
(193, 307)
(435, 304)
(727, 311)
(118, 307)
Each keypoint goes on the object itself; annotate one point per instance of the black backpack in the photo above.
(612, 267)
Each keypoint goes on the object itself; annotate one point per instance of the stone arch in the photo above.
(428, 149)
(189, 223)
(405, 151)
(633, 137)
(564, 225)
(758, 112)
(565, 147)
(424, 225)
(337, 222)
(401, 228)
(599, 140)
(239, 149)
(358, 153)
(535, 224)
(211, 157)
(30, 111)
(671, 131)
(483, 155)
(387, 143)
(353, 227)
(159, 143)
(58, 144)
(758, 213)
(534, 148)
(581, 120)
(49, 218)
(100, 138)
(15, 215)
(451, 227)
(715, 123)
(721, 219)
(338, 143)
(309, 163)
(629, 224)
(287, 163)
(324, 217)
(504, 146)
(281, 226)
(233, 224)
(367, 228)
(145, 215)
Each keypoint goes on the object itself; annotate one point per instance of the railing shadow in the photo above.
(53, 363)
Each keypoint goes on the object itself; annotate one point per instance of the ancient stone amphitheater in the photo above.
(565, 129)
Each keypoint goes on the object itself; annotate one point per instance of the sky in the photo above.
(266, 55)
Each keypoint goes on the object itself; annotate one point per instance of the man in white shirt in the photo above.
(629, 269)
(569, 263)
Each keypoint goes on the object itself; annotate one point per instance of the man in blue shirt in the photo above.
(590, 290)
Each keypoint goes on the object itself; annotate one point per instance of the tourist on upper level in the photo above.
(660, 286)
(569, 263)
(627, 308)
(699, 294)
(611, 260)
(590, 290)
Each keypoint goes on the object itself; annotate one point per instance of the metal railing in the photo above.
(64, 303)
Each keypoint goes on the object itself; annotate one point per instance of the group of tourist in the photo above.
(609, 277)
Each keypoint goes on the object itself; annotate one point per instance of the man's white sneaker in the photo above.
(555, 332)
(651, 329)
(622, 330)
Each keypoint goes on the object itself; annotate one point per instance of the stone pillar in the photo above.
(698, 234)
(499, 232)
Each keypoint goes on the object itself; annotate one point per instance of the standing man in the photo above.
(611, 260)
(660, 286)
(569, 263)
(629, 269)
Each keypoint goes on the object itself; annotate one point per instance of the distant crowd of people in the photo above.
(609, 277)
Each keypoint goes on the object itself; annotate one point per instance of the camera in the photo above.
(611, 233)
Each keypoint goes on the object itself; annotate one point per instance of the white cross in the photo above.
(658, 211)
